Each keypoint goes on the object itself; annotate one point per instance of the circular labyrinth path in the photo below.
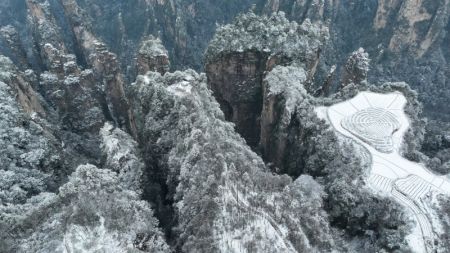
(374, 126)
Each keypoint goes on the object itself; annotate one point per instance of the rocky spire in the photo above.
(152, 56)
(356, 68)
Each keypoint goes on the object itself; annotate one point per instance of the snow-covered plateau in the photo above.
(378, 123)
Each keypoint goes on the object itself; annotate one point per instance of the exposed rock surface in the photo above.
(29, 155)
(89, 161)
(216, 181)
(240, 54)
(67, 101)
(356, 68)
(105, 65)
(11, 45)
(236, 81)
(152, 56)
(185, 27)
(283, 88)
(406, 40)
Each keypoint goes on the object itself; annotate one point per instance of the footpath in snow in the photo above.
(378, 123)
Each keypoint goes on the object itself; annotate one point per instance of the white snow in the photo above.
(91, 239)
(259, 224)
(378, 122)
(153, 47)
(374, 126)
(180, 89)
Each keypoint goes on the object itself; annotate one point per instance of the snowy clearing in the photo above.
(378, 122)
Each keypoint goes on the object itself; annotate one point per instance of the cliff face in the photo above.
(279, 60)
(152, 56)
(219, 187)
(75, 83)
(236, 81)
(240, 55)
(185, 27)
(97, 133)
(406, 40)
(283, 88)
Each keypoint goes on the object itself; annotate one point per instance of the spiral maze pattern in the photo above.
(374, 126)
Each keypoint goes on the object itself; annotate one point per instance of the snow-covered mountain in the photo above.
(295, 139)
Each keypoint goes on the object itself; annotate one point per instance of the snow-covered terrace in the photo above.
(378, 123)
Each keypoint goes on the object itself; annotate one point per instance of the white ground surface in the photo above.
(378, 122)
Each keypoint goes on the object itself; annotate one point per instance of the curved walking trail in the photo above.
(378, 123)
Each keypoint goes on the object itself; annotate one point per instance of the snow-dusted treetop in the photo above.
(356, 67)
(274, 35)
(288, 82)
(153, 47)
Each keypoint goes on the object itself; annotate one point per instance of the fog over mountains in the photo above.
(224, 126)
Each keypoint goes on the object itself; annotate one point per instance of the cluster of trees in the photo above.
(91, 209)
(274, 35)
(96, 209)
(306, 196)
(356, 68)
(313, 148)
(29, 159)
(224, 197)
(210, 190)
(305, 144)
(121, 155)
(436, 146)
(444, 213)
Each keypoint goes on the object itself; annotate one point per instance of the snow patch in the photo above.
(91, 239)
(180, 89)
(378, 123)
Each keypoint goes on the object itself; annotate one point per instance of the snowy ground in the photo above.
(378, 122)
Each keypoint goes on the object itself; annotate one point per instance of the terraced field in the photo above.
(374, 126)
(378, 123)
